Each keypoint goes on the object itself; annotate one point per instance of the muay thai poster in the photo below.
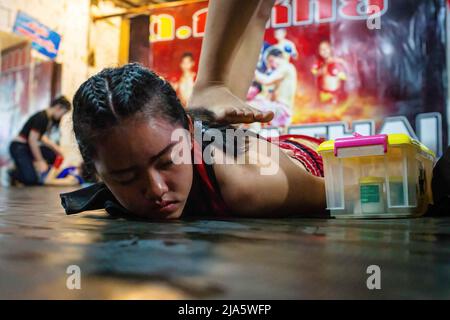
(328, 67)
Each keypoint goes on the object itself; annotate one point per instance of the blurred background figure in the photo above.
(286, 46)
(32, 151)
(185, 84)
(279, 82)
(331, 76)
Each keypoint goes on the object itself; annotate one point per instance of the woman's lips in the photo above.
(162, 207)
(167, 206)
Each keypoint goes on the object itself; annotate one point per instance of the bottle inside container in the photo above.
(372, 195)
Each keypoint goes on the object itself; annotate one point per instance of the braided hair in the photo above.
(115, 94)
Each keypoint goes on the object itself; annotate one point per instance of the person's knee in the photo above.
(30, 181)
(28, 178)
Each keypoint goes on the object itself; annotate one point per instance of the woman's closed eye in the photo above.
(124, 178)
(165, 164)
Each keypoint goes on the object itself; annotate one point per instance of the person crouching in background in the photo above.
(32, 151)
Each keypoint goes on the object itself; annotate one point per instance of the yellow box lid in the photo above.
(371, 180)
(394, 139)
(401, 138)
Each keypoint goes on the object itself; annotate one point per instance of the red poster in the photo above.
(329, 67)
(176, 35)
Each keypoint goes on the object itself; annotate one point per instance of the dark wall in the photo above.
(139, 50)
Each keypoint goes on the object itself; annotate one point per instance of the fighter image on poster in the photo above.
(276, 85)
(184, 85)
(286, 46)
(330, 76)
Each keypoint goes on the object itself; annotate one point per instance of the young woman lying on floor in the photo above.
(124, 119)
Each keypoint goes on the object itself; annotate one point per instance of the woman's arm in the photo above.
(284, 189)
(33, 142)
(67, 181)
(233, 39)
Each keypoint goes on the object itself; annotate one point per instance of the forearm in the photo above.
(67, 181)
(35, 150)
(241, 74)
(225, 27)
(51, 144)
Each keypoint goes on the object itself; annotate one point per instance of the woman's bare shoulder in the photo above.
(264, 181)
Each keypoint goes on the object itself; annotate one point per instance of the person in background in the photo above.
(281, 75)
(31, 150)
(331, 76)
(286, 46)
(185, 83)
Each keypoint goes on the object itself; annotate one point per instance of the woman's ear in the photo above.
(190, 123)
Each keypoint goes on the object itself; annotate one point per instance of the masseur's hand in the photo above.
(226, 107)
(41, 166)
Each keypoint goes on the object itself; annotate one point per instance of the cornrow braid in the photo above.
(124, 82)
(95, 95)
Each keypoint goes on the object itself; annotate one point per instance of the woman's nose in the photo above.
(156, 186)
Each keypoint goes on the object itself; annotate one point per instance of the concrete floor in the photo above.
(249, 259)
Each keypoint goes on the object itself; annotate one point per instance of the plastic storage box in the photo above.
(381, 176)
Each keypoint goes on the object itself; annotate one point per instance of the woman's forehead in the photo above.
(132, 140)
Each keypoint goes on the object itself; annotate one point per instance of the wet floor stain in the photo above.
(213, 259)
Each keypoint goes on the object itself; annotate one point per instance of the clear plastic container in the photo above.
(385, 176)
